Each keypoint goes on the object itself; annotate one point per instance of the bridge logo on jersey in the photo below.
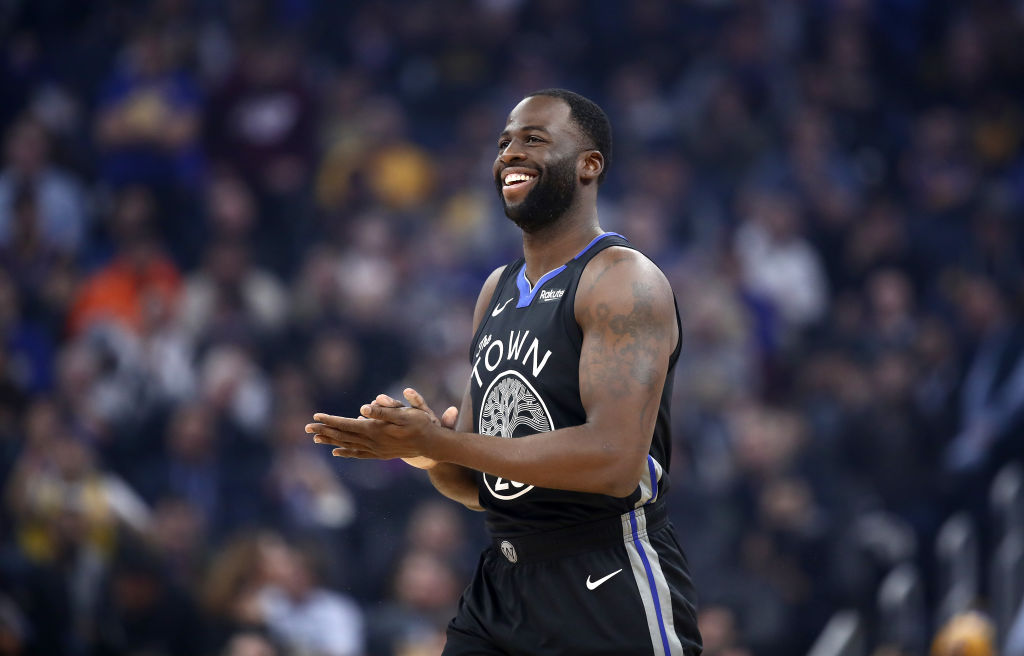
(511, 408)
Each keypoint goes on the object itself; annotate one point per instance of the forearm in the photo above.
(457, 483)
(581, 458)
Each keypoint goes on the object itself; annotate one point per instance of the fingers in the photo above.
(333, 420)
(416, 400)
(352, 452)
(450, 416)
(387, 401)
(326, 435)
(359, 425)
(355, 426)
(390, 415)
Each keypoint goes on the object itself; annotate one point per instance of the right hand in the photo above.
(447, 419)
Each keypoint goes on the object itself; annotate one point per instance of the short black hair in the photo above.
(590, 119)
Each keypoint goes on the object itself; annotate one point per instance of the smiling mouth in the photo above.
(517, 179)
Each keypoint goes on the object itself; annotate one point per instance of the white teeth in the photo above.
(513, 178)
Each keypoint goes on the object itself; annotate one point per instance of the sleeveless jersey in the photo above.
(525, 360)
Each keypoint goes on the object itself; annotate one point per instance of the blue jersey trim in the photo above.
(526, 292)
(654, 478)
(650, 580)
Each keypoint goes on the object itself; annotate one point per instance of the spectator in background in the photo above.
(820, 172)
(234, 385)
(376, 164)
(149, 117)
(229, 595)
(992, 397)
(55, 475)
(312, 500)
(178, 535)
(231, 210)
(28, 347)
(35, 265)
(231, 298)
(937, 376)
(191, 467)
(304, 616)
(433, 527)
(134, 359)
(338, 368)
(61, 221)
(997, 252)
(892, 321)
(147, 130)
(139, 280)
(262, 120)
(423, 596)
(68, 516)
(348, 288)
(718, 629)
(143, 610)
(942, 181)
(261, 123)
(777, 262)
(877, 240)
(894, 456)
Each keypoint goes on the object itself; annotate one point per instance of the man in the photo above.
(573, 355)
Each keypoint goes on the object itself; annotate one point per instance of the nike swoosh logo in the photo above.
(501, 307)
(592, 585)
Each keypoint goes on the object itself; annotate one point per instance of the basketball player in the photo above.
(572, 358)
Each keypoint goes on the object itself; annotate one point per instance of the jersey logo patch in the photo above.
(509, 551)
(511, 402)
(498, 310)
(547, 295)
(592, 585)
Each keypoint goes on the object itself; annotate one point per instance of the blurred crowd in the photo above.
(217, 217)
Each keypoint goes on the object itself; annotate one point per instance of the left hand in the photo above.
(380, 433)
(447, 419)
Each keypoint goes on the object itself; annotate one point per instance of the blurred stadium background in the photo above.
(219, 216)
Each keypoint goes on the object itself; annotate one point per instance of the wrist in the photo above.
(435, 442)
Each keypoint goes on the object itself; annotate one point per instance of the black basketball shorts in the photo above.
(618, 587)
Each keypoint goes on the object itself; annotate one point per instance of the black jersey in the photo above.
(525, 360)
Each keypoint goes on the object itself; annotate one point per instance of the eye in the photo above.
(534, 139)
(503, 144)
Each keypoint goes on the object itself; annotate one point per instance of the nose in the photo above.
(512, 152)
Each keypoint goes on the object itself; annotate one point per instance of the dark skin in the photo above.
(625, 309)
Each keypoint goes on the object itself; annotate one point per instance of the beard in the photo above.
(548, 200)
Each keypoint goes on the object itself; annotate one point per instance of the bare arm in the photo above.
(625, 309)
(456, 482)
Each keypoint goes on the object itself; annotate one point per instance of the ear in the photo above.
(591, 165)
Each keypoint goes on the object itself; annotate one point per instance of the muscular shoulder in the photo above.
(618, 269)
(622, 282)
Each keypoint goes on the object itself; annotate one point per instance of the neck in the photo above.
(556, 244)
